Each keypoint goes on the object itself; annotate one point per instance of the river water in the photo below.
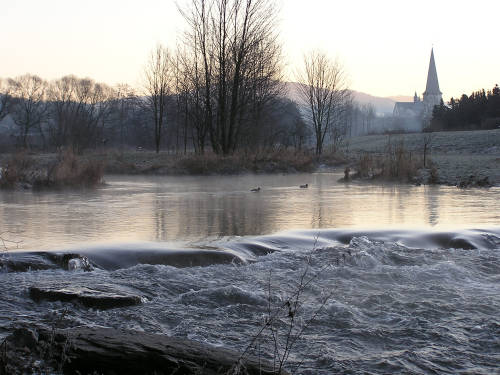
(399, 279)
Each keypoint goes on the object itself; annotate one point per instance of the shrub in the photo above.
(365, 166)
(69, 171)
(395, 163)
(66, 171)
(286, 319)
(16, 170)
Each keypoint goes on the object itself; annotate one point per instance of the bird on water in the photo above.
(255, 190)
(304, 186)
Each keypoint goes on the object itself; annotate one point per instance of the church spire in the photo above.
(432, 94)
(432, 87)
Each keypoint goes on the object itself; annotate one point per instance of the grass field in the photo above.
(456, 155)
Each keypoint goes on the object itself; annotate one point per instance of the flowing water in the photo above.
(399, 279)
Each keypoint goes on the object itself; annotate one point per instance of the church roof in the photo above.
(406, 105)
(432, 87)
(408, 109)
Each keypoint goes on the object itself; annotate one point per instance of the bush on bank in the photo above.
(65, 171)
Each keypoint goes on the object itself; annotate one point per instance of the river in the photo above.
(404, 279)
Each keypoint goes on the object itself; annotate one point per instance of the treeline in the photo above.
(83, 114)
(70, 111)
(480, 110)
(220, 89)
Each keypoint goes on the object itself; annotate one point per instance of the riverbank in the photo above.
(464, 159)
(163, 163)
(27, 170)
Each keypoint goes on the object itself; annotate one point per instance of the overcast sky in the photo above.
(384, 44)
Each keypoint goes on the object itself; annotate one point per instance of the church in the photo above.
(421, 108)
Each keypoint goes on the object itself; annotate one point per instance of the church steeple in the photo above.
(432, 87)
(432, 94)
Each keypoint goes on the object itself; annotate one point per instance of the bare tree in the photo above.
(28, 106)
(323, 87)
(62, 95)
(367, 117)
(158, 81)
(125, 103)
(80, 111)
(5, 99)
(341, 125)
(427, 140)
(235, 62)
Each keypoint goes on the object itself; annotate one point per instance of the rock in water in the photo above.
(113, 351)
(87, 297)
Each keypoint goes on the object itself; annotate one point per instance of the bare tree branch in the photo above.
(6, 243)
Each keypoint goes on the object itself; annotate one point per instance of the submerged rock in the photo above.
(25, 261)
(86, 350)
(71, 262)
(113, 259)
(87, 297)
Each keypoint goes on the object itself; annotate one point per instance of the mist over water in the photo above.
(138, 208)
(413, 272)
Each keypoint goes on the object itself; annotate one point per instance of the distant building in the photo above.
(419, 110)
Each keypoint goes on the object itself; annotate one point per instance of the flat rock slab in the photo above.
(87, 297)
(112, 351)
(25, 261)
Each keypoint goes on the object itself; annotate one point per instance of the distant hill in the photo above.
(401, 98)
(382, 105)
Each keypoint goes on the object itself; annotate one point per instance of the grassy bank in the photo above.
(466, 158)
(147, 162)
(46, 170)
(453, 158)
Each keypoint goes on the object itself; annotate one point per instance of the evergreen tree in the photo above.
(480, 110)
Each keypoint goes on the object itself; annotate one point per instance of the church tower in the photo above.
(432, 94)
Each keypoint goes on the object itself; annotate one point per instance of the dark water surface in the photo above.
(411, 274)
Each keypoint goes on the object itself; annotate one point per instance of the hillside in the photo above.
(382, 105)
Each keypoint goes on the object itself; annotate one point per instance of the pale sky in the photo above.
(384, 44)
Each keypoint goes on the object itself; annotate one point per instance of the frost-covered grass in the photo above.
(472, 142)
(456, 155)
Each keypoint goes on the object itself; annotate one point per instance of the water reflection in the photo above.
(432, 200)
(198, 208)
